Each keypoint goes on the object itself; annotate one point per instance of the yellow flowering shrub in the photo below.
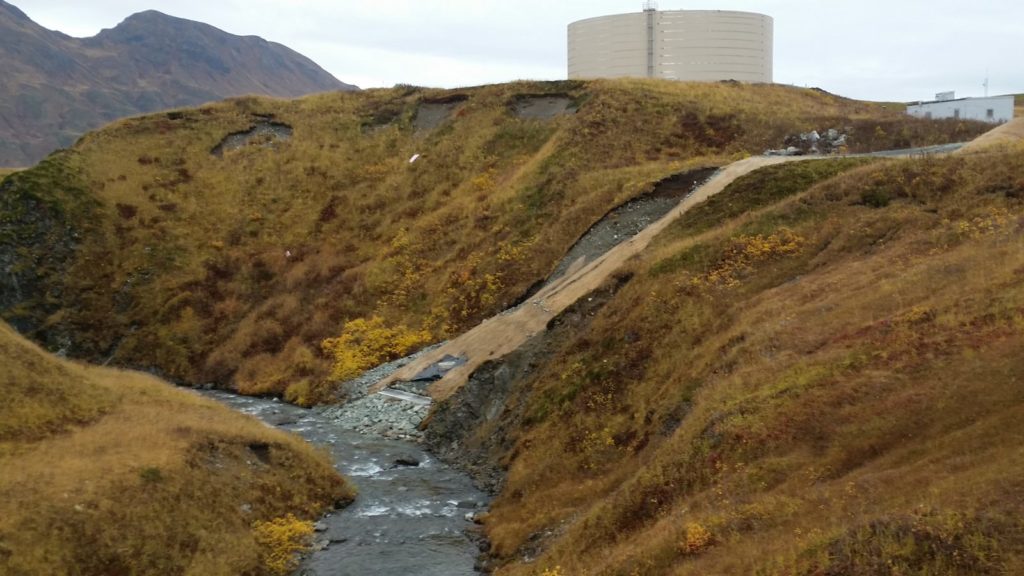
(281, 540)
(364, 344)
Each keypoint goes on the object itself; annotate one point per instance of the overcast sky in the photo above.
(868, 49)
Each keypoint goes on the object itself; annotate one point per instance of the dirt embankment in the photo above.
(1009, 133)
(476, 428)
(503, 334)
(630, 219)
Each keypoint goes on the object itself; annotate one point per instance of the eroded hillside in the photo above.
(110, 472)
(225, 244)
(818, 371)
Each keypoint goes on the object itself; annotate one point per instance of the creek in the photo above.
(410, 517)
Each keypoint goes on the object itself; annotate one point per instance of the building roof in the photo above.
(921, 103)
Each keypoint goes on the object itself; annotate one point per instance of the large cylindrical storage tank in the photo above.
(694, 45)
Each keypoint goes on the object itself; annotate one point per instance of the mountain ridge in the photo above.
(61, 87)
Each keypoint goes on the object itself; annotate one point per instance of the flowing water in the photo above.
(407, 520)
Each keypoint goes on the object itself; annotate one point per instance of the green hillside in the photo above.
(224, 244)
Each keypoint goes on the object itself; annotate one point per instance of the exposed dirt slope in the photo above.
(504, 333)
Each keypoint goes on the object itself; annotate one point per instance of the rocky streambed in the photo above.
(413, 514)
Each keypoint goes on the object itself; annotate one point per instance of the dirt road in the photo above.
(506, 332)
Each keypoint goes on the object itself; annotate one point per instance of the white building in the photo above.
(695, 45)
(994, 109)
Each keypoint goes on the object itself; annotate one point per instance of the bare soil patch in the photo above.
(263, 133)
(432, 113)
(542, 107)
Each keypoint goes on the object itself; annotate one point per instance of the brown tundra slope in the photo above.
(816, 372)
(106, 471)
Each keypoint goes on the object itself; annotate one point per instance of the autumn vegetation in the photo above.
(250, 268)
(818, 371)
(104, 471)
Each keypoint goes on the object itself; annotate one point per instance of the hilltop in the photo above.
(110, 472)
(229, 244)
(57, 87)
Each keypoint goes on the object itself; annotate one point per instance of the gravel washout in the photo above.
(628, 219)
(375, 414)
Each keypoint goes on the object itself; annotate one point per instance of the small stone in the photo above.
(407, 460)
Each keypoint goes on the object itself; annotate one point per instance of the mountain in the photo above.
(57, 87)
